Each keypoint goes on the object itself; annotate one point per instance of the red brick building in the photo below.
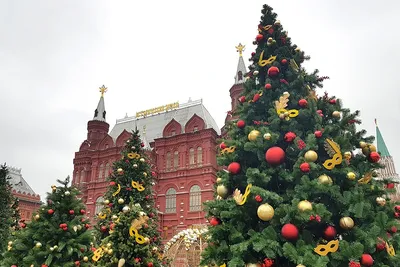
(29, 201)
(181, 139)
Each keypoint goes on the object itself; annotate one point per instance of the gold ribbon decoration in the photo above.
(98, 254)
(323, 250)
(333, 150)
(366, 178)
(118, 190)
(133, 155)
(228, 150)
(263, 62)
(137, 224)
(239, 198)
(281, 104)
(390, 250)
(138, 186)
(294, 65)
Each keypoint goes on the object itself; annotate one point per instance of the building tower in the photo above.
(389, 170)
(238, 87)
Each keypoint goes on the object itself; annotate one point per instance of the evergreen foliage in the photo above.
(128, 221)
(57, 236)
(311, 173)
(7, 208)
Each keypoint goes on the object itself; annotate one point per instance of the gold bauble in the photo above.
(351, 175)
(110, 251)
(37, 217)
(106, 202)
(311, 156)
(265, 212)
(222, 191)
(346, 223)
(336, 114)
(253, 265)
(135, 165)
(38, 245)
(325, 179)
(121, 201)
(147, 240)
(10, 243)
(120, 170)
(219, 179)
(142, 160)
(366, 150)
(114, 217)
(109, 245)
(85, 259)
(145, 174)
(253, 135)
(347, 155)
(121, 262)
(304, 205)
(380, 201)
(363, 144)
(300, 265)
(267, 136)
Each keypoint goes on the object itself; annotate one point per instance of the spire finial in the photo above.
(376, 123)
(240, 48)
(102, 90)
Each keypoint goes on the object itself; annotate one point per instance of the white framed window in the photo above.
(99, 204)
(195, 198)
(168, 159)
(82, 178)
(176, 159)
(191, 156)
(170, 201)
(199, 155)
(101, 172)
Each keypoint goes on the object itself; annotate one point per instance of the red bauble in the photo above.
(256, 97)
(390, 186)
(284, 61)
(268, 262)
(222, 145)
(72, 212)
(153, 174)
(77, 263)
(253, 54)
(381, 244)
(354, 264)
(150, 264)
(305, 167)
(367, 260)
(268, 86)
(14, 265)
(65, 228)
(290, 136)
(330, 233)
(393, 229)
(242, 99)
(142, 144)
(332, 101)
(240, 124)
(273, 71)
(103, 228)
(397, 214)
(374, 157)
(44, 265)
(112, 183)
(214, 221)
(234, 168)
(83, 212)
(259, 37)
(318, 134)
(258, 198)
(290, 232)
(50, 211)
(303, 103)
(397, 208)
(275, 155)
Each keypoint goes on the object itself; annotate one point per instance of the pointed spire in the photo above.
(100, 112)
(382, 148)
(241, 69)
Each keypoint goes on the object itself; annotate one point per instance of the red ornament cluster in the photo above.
(64, 226)
(290, 136)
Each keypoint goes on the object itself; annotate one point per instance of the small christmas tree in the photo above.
(299, 188)
(58, 235)
(6, 210)
(128, 221)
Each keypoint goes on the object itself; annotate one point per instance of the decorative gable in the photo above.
(195, 124)
(121, 139)
(172, 128)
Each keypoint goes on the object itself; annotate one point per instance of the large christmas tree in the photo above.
(299, 188)
(58, 235)
(8, 209)
(128, 221)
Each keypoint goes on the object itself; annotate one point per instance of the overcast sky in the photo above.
(55, 54)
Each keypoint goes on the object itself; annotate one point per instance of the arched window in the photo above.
(195, 198)
(168, 160)
(101, 172)
(76, 177)
(82, 178)
(107, 170)
(170, 201)
(99, 204)
(199, 155)
(176, 159)
(191, 156)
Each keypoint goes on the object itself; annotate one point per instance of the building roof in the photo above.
(241, 68)
(100, 112)
(18, 182)
(381, 146)
(154, 124)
